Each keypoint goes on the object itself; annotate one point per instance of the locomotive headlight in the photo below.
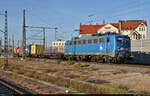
(121, 48)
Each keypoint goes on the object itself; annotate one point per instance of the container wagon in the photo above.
(37, 50)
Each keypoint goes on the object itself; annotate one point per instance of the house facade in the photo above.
(135, 29)
(58, 46)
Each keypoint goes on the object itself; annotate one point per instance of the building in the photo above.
(58, 45)
(135, 29)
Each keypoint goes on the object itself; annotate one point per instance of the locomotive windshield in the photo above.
(122, 39)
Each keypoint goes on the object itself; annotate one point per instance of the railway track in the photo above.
(98, 63)
(7, 88)
(93, 62)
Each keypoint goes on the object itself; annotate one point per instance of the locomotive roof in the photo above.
(97, 35)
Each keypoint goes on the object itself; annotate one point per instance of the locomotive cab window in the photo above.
(119, 39)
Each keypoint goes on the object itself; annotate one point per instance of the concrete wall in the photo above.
(141, 51)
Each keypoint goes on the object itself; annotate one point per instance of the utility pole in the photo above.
(13, 45)
(44, 37)
(5, 43)
(55, 33)
(23, 34)
(9, 47)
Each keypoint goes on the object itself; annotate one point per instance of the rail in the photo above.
(8, 88)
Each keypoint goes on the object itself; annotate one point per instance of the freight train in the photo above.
(105, 48)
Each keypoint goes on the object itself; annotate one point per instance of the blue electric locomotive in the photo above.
(105, 48)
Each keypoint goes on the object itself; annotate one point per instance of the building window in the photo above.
(143, 36)
(130, 28)
(139, 29)
(142, 24)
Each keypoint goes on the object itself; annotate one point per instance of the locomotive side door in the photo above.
(108, 45)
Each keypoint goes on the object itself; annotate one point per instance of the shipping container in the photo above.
(16, 50)
(20, 50)
(37, 50)
(28, 50)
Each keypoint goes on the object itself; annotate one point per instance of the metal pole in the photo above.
(23, 35)
(44, 37)
(13, 45)
(0, 46)
(55, 33)
(5, 43)
(9, 43)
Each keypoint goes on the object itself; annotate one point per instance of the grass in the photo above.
(72, 84)
(50, 70)
(58, 61)
(113, 90)
(73, 76)
(116, 91)
(93, 69)
(119, 71)
(81, 65)
(72, 90)
(143, 92)
(69, 62)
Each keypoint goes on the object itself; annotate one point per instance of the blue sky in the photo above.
(67, 15)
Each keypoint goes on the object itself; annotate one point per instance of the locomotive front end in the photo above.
(123, 49)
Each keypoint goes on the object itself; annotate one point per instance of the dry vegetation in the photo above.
(58, 73)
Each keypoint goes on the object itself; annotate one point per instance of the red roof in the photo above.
(115, 25)
(89, 29)
(125, 25)
(131, 25)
